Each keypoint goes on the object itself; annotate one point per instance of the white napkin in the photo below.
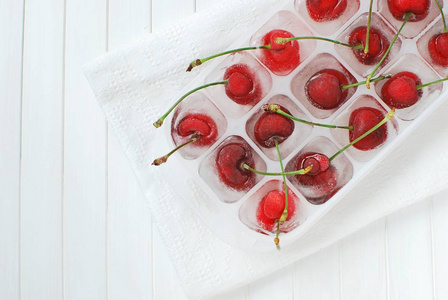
(133, 86)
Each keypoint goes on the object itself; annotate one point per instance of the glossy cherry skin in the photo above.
(281, 59)
(325, 10)
(324, 89)
(438, 49)
(229, 161)
(243, 85)
(401, 91)
(363, 119)
(271, 208)
(323, 181)
(199, 124)
(272, 126)
(418, 8)
(378, 45)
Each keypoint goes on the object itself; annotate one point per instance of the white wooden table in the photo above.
(73, 223)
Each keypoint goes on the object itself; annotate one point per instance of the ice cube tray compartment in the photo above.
(230, 214)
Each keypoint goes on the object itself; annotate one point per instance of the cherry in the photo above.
(198, 124)
(378, 45)
(438, 49)
(229, 163)
(280, 58)
(362, 120)
(318, 162)
(271, 207)
(325, 10)
(401, 90)
(418, 8)
(324, 89)
(242, 86)
(271, 126)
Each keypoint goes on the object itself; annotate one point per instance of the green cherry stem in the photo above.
(369, 78)
(163, 159)
(345, 87)
(159, 122)
(198, 62)
(443, 16)
(369, 20)
(388, 117)
(285, 40)
(298, 172)
(431, 83)
(285, 211)
(276, 108)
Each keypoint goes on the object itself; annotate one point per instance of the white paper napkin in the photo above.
(134, 84)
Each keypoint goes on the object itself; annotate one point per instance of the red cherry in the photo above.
(201, 125)
(272, 126)
(281, 59)
(324, 89)
(271, 208)
(378, 45)
(363, 119)
(438, 49)
(400, 91)
(229, 163)
(243, 86)
(325, 10)
(418, 8)
(319, 161)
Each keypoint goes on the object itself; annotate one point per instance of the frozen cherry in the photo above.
(324, 89)
(378, 45)
(418, 8)
(318, 162)
(325, 10)
(243, 86)
(272, 126)
(199, 124)
(401, 90)
(229, 163)
(271, 208)
(280, 58)
(362, 120)
(438, 49)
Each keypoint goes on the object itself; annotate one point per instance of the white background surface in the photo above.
(73, 223)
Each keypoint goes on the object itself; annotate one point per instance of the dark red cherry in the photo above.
(272, 126)
(281, 59)
(201, 125)
(271, 208)
(324, 89)
(243, 86)
(325, 10)
(438, 49)
(323, 183)
(363, 119)
(401, 91)
(229, 163)
(378, 45)
(418, 8)
(319, 163)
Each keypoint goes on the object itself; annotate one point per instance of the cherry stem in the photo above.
(163, 159)
(388, 117)
(298, 172)
(285, 211)
(285, 40)
(159, 122)
(443, 16)
(369, 20)
(345, 87)
(368, 79)
(431, 83)
(199, 62)
(276, 108)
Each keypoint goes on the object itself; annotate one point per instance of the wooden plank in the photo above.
(129, 223)
(279, 284)
(42, 152)
(410, 253)
(166, 13)
(440, 242)
(363, 263)
(11, 31)
(317, 277)
(85, 190)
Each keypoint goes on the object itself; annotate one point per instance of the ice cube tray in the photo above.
(230, 214)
